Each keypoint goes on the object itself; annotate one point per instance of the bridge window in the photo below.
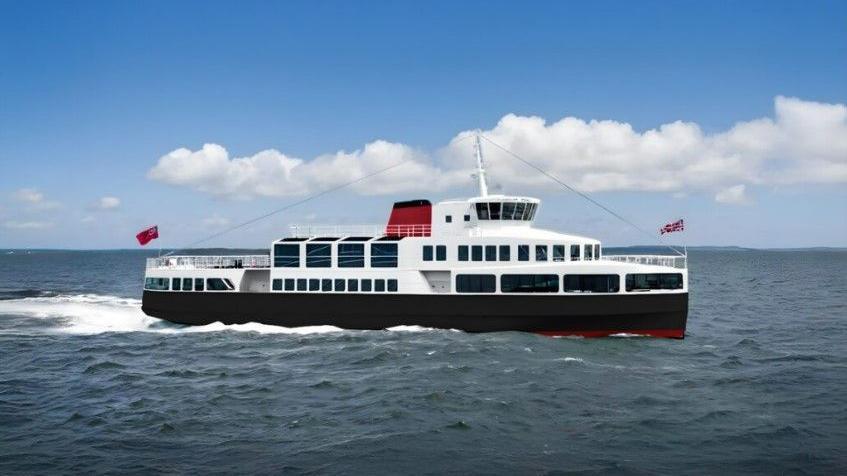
(519, 210)
(558, 252)
(289, 284)
(366, 285)
(523, 252)
(645, 282)
(384, 255)
(301, 285)
(494, 210)
(482, 211)
(352, 285)
(199, 284)
(476, 253)
(277, 285)
(596, 251)
(591, 283)
(340, 284)
(427, 253)
(318, 255)
(326, 285)
(529, 283)
(157, 284)
(379, 285)
(574, 252)
(490, 253)
(587, 252)
(216, 284)
(314, 285)
(541, 253)
(351, 255)
(441, 253)
(504, 253)
(392, 285)
(476, 283)
(463, 253)
(286, 256)
(508, 210)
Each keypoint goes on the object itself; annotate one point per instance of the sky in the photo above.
(198, 116)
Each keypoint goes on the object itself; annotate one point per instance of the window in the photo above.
(301, 284)
(645, 282)
(529, 214)
(475, 283)
(276, 285)
(467, 218)
(490, 253)
(476, 253)
(482, 211)
(289, 284)
(339, 285)
(504, 253)
(494, 210)
(448, 218)
(523, 252)
(314, 285)
(228, 283)
(158, 284)
(519, 208)
(558, 252)
(529, 283)
(587, 252)
(177, 284)
(574, 252)
(384, 255)
(198, 284)
(427, 253)
(441, 253)
(596, 251)
(318, 255)
(379, 285)
(286, 256)
(392, 285)
(326, 285)
(352, 285)
(591, 283)
(508, 210)
(540, 252)
(351, 255)
(463, 253)
(186, 284)
(366, 285)
(216, 284)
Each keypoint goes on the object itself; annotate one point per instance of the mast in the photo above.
(480, 168)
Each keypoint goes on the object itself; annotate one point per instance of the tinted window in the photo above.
(186, 284)
(289, 285)
(448, 218)
(277, 285)
(482, 211)
(574, 252)
(558, 252)
(366, 285)
(523, 252)
(541, 253)
(384, 255)
(463, 253)
(441, 253)
(351, 255)
(529, 213)
(529, 283)
(379, 285)
(519, 209)
(340, 284)
(198, 284)
(177, 284)
(427, 253)
(587, 252)
(301, 284)
(286, 256)
(467, 218)
(392, 285)
(352, 284)
(216, 284)
(159, 284)
(326, 285)
(318, 255)
(314, 285)
(504, 253)
(591, 283)
(475, 283)
(508, 210)
(640, 282)
(490, 253)
(596, 251)
(494, 210)
(476, 253)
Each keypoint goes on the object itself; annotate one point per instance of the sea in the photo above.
(89, 384)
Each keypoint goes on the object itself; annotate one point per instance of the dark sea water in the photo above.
(89, 384)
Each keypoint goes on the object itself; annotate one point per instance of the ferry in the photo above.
(476, 265)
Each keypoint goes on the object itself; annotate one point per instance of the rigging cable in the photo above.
(581, 194)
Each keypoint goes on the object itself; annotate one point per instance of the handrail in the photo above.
(209, 262)
(312, 231)
(670, 261)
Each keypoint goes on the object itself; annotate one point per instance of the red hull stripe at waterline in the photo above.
(672, 333)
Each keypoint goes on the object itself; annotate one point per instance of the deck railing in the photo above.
(209, 262)
(671, 261)
(311, 231)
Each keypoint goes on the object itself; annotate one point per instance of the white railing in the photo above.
(209, 262)
(311, 231)
(671, 261)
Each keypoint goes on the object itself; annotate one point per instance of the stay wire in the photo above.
(581, 194)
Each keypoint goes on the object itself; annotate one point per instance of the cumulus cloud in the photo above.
(804, 142)
(107, 203)
(27, 225)
(33, 199)
(732, 195)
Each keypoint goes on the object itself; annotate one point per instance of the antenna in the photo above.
(480, 168)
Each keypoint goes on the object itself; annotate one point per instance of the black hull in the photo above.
(662, 315)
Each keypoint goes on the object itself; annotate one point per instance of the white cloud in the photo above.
(215, 221)
(732, 195)
(27, 225)
(805, 142)
(34, 199)
(88, 219)
(107, 203)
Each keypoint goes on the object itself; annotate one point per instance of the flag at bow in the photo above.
(678, 225)
(148, 235)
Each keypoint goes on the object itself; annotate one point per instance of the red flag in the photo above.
(148, 235)
(678, 225)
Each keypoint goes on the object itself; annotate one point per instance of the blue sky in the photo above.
(96, 97)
